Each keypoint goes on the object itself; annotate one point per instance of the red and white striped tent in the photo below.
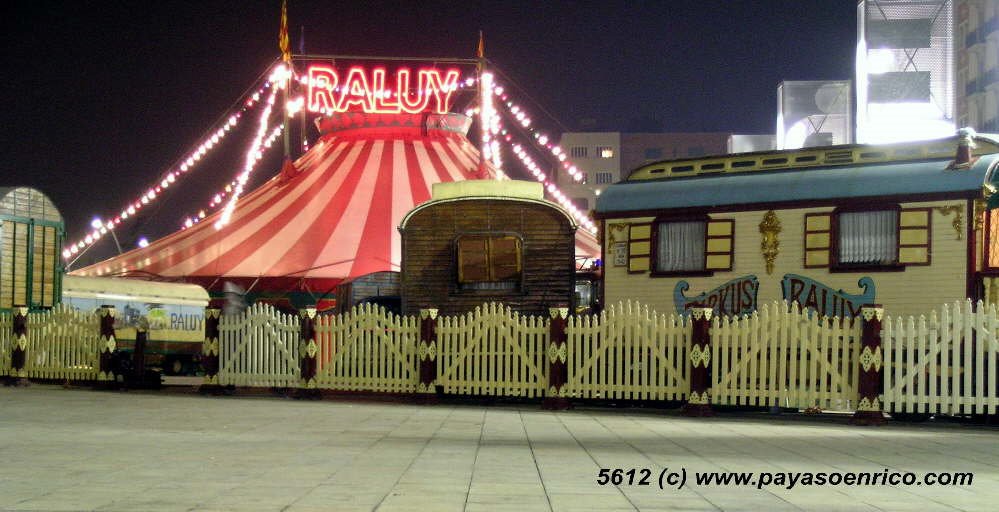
(333, 219)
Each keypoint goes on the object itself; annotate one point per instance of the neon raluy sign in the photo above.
(360, 91)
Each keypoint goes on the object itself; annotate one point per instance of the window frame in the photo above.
(654, 252)
(835, 266)
(456, 283)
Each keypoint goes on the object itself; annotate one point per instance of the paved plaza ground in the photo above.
(76, 449)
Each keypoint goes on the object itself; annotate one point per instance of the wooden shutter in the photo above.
(639, 248)
(719, 245)
(914, 236)
(473, 259)
(818, 239)
(504, 256)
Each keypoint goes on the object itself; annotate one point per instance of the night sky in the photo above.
(101, 98)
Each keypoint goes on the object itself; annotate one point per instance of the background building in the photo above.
(905, 72)
(608, 157)
(976, 47)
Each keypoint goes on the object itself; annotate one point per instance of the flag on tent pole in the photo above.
(283, 42)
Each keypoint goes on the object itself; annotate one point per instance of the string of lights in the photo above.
(541, 139)
(155, 190)
(553, 190)
(279, 80)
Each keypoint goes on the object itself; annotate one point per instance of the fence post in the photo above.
(210, 351)
(427, 355)
(558, 372)
(308, 351)
(108, 345)
(19, 347)
(869, 408)
(698, 401)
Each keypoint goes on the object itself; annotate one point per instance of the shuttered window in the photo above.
(888, 237)
(692, 245)
(489, 262)
(680, 246)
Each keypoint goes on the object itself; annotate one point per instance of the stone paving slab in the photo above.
(81, 450)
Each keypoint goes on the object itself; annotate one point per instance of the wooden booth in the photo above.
(31, 233)
(484, 241)
(830, 228)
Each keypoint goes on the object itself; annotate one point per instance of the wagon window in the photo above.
(489, 262)
(681, 246)
(868, 237)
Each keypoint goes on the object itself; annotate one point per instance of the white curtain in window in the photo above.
(868, 237)
(681, 246)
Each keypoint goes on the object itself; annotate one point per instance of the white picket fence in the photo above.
(783, 356)
(628, 352)
(63, 343)
(259, 347)
(6, 342)
(493, 351)
(944, 364)
(367, 349)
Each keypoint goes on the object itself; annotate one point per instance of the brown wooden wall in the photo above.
(429, 270)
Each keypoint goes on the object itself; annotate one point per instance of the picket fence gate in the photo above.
(63, 343)
(492, 351)
(781, 355)
(942, 365)
(259, 347)
(628, 352)
(367, 349)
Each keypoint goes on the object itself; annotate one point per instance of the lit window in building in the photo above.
(605, 152)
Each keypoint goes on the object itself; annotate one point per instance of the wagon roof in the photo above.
(861, 172)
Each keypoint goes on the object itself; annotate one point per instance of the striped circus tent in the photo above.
(333, 218)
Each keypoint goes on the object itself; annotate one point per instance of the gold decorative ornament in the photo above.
(557, 353)
(21, 311)
(696, 398)
(307, 313)
(311, 349)
(699, 313)
(618, 232)
(561, 392)
(559, 312)
(700, 357)
(869, 358)
(213, 313)
(107, 311)
(769, 243)
(211, 379)
(958, 211)
(210, 346)
(22, 342)
(108, 344)
(979, 214)
(428, 313)
(869, 405)
(869, 313)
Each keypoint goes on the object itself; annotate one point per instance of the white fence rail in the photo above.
(628, 352)
(781, 355)
(493, 351)
(944, 364)
(259, 347)
(367, 349)
(63, 343)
